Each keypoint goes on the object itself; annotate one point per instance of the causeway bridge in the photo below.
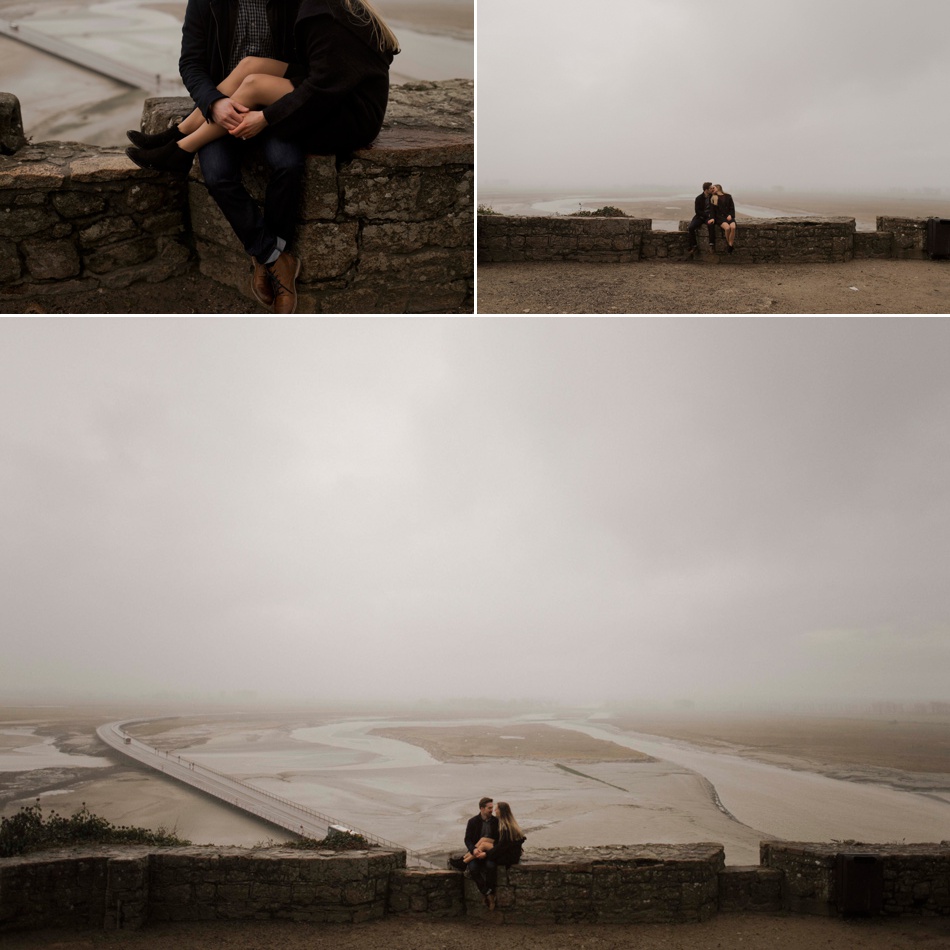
(281, 812)
(154, 84)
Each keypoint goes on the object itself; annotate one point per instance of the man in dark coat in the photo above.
(216, 36)
(482, 825)
(699, 218)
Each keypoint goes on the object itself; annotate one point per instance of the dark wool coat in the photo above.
(722, 209)
(507, 851)
(341, 81)
(473, 831)
(206, 38)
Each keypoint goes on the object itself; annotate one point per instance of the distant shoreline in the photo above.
(667, 210)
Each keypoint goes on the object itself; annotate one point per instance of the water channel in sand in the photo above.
(798, 805)
(21, 750)
(399, 791)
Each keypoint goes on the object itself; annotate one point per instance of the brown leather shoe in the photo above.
(261, 285)
(283, 275)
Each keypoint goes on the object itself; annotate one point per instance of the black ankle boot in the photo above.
(166, 158)
(144, 140)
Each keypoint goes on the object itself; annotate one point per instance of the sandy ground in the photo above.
(189, 295)
(676, 287)
(727, 932)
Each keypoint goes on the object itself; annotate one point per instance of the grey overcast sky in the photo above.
(807, 94)
(584, 510)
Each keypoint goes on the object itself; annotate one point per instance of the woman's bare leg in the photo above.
(229, 85)
(255, 90)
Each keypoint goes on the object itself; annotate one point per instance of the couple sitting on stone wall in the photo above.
(716, 209)
(296, 77)
(491, 841)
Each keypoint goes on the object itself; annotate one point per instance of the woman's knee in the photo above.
(250, 83)
(250, 64)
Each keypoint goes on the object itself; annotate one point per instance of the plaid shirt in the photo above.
(252, 33)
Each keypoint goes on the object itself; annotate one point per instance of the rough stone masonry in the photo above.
(389, 230)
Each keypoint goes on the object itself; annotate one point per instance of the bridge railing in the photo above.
(195, 768)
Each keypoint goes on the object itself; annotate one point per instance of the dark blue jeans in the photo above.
(221, 163)
(484, 873)
(698, 221)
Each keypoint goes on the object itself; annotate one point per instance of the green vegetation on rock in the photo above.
(30, 830)
(337, 839)
(608, 211)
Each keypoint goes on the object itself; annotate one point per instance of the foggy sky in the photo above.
(807, 94)
(575, 510)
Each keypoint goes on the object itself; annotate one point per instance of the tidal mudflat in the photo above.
(571, 781)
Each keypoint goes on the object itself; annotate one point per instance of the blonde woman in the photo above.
(504, 852)
(722, 211)
(313, 76)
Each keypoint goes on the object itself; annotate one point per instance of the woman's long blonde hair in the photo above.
(507, 824)
(365, 12)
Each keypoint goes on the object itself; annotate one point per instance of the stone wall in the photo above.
(73, 215)
(750, 890)
(125, 888)
(426, 893)
(657, 883)
(129, 887)
(914, 878)
(528, 238)
(389, 229)
(505, 238)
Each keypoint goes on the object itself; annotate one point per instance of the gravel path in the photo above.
(858, 287)
(726, 932)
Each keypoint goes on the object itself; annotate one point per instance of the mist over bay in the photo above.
(804, 97)
(676, 514)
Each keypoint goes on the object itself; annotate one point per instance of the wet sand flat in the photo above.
(62, 101)
(531, 741)
(575, 790)
(916, 744)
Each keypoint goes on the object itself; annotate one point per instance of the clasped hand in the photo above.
(227, 113)
(253, 123)
(237, 118)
